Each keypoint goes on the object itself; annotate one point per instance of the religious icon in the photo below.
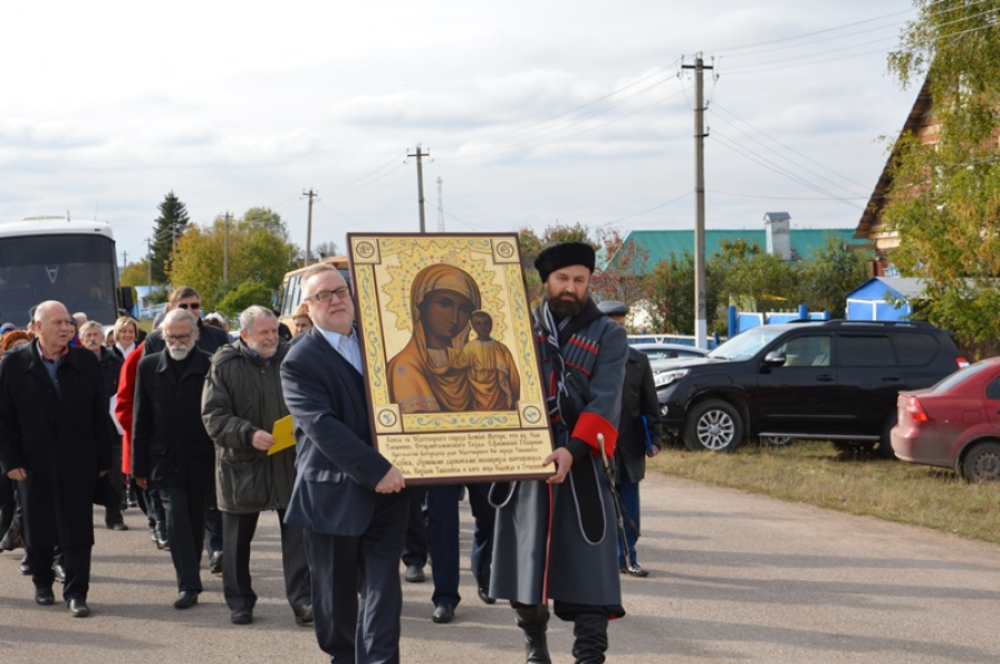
(451, 370)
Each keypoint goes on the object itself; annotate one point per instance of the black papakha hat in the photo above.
(561, 255)
(612, 307)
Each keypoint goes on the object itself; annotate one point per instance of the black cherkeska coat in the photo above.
(170, 446)
(61, 438)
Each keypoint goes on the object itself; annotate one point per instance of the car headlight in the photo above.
(664, 378)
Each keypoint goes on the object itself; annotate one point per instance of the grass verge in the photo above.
(814, 473)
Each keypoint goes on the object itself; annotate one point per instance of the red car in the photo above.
(954, 424)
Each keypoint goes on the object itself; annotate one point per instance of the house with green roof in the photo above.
(802, 243)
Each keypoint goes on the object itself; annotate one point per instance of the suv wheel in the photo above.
(982, 463)
(713, 425)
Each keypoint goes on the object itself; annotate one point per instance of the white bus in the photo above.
(54, 258)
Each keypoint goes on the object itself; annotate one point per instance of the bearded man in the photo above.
(171, 450)
(556, 540)
(249, 480)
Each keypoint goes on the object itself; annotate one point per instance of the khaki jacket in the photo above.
(243, 395)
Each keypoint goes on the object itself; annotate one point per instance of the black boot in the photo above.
(533, 621)
(591, 632)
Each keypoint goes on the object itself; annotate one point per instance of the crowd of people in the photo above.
(179, 424)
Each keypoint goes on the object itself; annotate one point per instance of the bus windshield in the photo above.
(75, 269)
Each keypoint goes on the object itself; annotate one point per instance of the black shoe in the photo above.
(79, 608)
(44, 596)
(186, 599)
(215, 563)
(635, 570)
(304, 615)
(415, 574)
(240, 616)
(60, 572)
(162, 544)
(24, 566)
(443, 613)
(484, 594)
(117, 525)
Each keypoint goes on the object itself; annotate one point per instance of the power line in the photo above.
(652, 209)
(770, 165)
(531, 126)
(787, 147)
(772, 150)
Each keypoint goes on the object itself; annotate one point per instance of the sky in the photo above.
(534, 113)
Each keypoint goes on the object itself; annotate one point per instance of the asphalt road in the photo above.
(735, 578)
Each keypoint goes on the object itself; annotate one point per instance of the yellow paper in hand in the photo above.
(282, 434)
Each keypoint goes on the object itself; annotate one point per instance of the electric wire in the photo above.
(772, 150)
(729, 144)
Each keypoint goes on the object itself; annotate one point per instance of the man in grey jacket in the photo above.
(241, 402)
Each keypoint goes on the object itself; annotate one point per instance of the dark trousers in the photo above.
(76, 563)
(213, 526)
(185, 507)
(416, 547)
(115, 495)
(237, 534)
(442, 533)
(152, 506)
(365, 629)
(629, 493)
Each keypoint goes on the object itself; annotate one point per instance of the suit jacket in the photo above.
(638, 399)
(338, 466)
(62, 439)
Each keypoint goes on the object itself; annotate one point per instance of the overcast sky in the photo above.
(533, 112)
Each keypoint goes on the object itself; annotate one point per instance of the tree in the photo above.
(170, 226)
(625, 275)
(136, 274)
(944, 203)
(754, 279)
(246, 294)
(325, 250)
(829, 274)
(672, 295)
(256, 254)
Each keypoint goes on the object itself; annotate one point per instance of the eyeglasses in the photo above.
(193, 305)
(327, 295)
(183, 338)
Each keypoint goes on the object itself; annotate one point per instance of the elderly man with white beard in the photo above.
(171, 450)
(240, 404)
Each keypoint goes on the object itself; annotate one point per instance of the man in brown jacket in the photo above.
(241, 401)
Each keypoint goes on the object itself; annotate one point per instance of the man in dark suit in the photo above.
(347, 497)
(638, 437)
(171, 449)
(55, 442)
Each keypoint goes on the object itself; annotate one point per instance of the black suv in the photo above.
(833, 380)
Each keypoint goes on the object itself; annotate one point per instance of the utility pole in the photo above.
(701, 317)
(309, 226)
(440, 206)
(225, 251)
(420, 184)
(149, 263)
